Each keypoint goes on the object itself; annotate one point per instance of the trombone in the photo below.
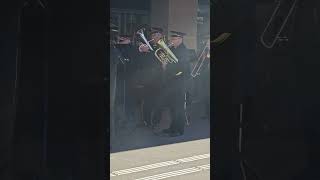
(204, 55)
(273, 16)
(206, 52)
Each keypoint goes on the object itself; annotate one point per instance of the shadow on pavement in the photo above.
(144, 137)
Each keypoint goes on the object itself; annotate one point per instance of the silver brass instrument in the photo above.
(141, 33)
(205, 54)
(273, 16)
(201, 58)
(164, 54)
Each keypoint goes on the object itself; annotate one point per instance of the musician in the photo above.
(152, 76)
(175, 76)
(131, 75)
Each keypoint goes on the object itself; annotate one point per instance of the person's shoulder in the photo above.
(114, 50)
(182, 47)
(191, 51)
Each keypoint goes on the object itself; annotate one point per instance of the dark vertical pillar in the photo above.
(28, 136)
(9, 13)
(76, 59)
(233, 81)
(306, 57)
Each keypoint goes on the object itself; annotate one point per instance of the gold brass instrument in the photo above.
(277, 37)
(164, 54)
(141, 33)
(204, 55)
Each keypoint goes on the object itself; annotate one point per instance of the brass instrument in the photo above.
(164, 54)
(141, 33)
(277, 37)
(204, 55)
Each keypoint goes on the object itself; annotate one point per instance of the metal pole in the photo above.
(124, 91)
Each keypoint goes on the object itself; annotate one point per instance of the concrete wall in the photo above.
(159, 13)
(183, 17)
(177, 15)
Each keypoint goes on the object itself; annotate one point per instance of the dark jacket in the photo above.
(150, 68)
(183, 55)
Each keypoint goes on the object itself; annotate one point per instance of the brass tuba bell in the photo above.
(164, 54)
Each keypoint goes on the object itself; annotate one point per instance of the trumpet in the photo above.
(277, 37)
(164, 54)
(204, 55)
(141, 33)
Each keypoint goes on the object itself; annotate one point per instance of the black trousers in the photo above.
(133, 98)
(151, 96)
(173, 97)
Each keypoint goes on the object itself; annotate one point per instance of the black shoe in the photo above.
(175, 134)
(167, 131)
(162, 134)
(147, 123)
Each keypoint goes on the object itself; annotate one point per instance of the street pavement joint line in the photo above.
(177, 173)
(158, 165)
(144, 168)
(193, 158)
(171, 174)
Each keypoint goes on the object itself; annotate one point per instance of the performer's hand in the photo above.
(164, 66)
(143, 48)
(124, 40)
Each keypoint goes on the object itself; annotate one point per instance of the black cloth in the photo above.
(151, 74)
(140, 75)
(183, 55)
(130, 77)
(133, 77)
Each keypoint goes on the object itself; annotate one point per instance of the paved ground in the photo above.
(186, 160)
(138, 154)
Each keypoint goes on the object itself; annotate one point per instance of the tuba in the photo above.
(277, 37)
(164, 54)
